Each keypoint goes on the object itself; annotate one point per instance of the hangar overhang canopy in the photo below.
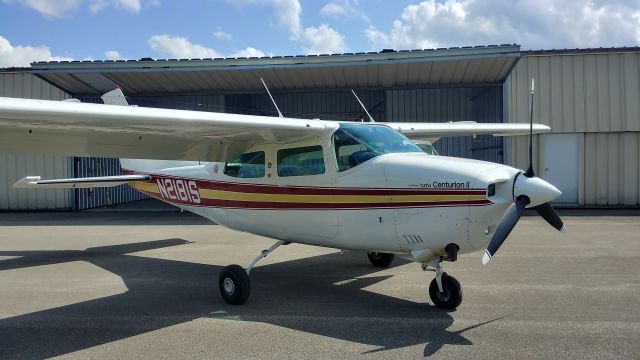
(385, 69)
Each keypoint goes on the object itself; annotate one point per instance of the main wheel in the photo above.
(234, 284)
(451, 295)
(379, 259)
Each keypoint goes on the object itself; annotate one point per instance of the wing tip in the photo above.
(27, 182)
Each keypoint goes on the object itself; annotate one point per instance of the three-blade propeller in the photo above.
(531, 190)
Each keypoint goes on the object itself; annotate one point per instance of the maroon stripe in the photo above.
(287, 205)
(327, 206)
(306, 190)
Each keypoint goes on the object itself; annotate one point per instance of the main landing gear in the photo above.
(381, 260)
(445, 291)
(234, 282)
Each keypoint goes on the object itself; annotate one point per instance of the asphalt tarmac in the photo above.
(143, 285)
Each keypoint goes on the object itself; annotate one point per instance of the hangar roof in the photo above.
(388, 68)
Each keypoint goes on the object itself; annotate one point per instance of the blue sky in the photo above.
(33, 30)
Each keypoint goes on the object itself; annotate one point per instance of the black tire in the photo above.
(234, 284)
(451, 296)
(381, 260)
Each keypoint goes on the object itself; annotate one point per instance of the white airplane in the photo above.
(343, 185)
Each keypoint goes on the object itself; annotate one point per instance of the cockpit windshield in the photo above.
(357, 143)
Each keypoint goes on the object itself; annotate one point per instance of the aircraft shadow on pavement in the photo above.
(300, 294)
(88, 218)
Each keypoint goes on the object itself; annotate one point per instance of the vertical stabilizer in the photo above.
(115, 97)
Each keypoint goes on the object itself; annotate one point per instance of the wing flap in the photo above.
(36, 182)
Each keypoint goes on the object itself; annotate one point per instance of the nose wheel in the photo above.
(445, 291)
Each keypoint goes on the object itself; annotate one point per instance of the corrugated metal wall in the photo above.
(326, 105)
(98, 197)
(612, 168)
(481, 104)
(596, 95)
(578, 92)
(22, 84)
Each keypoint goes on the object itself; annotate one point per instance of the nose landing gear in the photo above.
(445, 291)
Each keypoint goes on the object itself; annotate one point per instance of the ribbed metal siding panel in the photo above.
(22, 84)
(481, 104)
(612, 168)
(99, 197)
(326, 105)
(578, 92)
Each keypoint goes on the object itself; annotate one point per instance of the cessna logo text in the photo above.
(177, 189)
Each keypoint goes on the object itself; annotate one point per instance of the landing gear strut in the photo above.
(445, 291)
(234, 282)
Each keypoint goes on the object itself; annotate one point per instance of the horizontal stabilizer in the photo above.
(36, 182)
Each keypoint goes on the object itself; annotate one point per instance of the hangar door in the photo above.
(560, 165)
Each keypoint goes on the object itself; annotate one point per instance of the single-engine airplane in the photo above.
(344, 185)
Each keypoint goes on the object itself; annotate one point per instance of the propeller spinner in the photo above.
(528, 191)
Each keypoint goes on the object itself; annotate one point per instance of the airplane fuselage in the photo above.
(412, 204)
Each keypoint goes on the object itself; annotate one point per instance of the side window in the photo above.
(248, 165)
(300, 161)
(349, 152)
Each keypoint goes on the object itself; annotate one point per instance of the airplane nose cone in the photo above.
(537, 190)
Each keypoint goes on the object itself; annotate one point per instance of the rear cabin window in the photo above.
(247, 165)
(300, 161)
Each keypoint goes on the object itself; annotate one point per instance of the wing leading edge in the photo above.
(36, 182)
(70, 128)
(433, 131)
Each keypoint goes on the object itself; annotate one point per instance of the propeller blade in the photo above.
(509, 220)
(550, 215)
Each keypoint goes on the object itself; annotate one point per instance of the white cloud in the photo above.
(531, 23)
(183, 48)
(343, 8)
(221, 35)
(180, 47)
(288, 13)
(24, 55)
(323, 40)
(53, 9)
(133, 6)
(112, 55)
(333, 9)
(98, 5)
(129, 5)
(248, 52)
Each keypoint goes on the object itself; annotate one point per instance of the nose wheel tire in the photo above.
(234, 284)
(381, 260)
(451, 295)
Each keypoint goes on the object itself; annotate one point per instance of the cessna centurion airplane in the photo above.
(343, 185)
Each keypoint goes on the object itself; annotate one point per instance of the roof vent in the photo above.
(147, 59)
(387, 51)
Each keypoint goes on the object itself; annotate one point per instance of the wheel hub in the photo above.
(445, 295)
(228, 286)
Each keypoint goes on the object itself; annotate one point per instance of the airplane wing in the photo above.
(71, 128)
(36, 182)
(433, 131)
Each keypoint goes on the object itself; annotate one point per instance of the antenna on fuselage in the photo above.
(273, 101)
(364, 108)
